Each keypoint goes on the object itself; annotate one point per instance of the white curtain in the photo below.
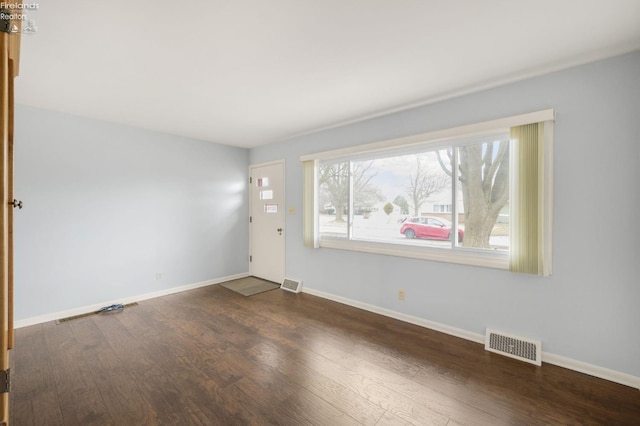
(309, 204)
(530, 220)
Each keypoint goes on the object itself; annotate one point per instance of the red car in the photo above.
(433, 228)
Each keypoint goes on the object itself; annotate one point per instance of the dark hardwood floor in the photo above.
(214, 357)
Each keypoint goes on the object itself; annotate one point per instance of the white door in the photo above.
(267, 221)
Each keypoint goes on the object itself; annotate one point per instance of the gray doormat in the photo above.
(250, 285)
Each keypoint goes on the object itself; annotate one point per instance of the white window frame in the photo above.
(468, 256)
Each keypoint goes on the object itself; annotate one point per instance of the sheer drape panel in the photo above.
(528, 199)
(309, 201)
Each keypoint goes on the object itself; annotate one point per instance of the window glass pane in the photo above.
(396, 199)
(266, 194)
(410, 199)
(333, 203)
(484, 188)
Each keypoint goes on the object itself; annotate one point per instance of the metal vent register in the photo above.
(291, 285)
(521, 348)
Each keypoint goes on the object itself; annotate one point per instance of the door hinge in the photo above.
(250, 219)
(5, 381)
(250, 179)
(250, 258)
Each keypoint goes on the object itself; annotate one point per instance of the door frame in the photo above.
(8, 70)
(251, 167)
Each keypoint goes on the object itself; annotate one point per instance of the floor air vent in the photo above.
(291, 285)
(521, 348)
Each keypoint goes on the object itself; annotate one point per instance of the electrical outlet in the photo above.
(158, 276)
(401, 295)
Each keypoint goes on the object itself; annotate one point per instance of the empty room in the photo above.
(336, 212)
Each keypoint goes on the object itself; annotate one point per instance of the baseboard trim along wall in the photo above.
(560, 361)
(93, 308)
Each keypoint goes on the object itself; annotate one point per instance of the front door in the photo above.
(267, 233)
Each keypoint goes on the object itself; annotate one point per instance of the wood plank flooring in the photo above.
(214, 357)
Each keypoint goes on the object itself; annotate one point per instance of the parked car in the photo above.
(434, 228)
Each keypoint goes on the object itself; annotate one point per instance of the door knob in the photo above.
(15, 203)
(279, 231)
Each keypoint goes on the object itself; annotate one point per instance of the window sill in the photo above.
(487, 259)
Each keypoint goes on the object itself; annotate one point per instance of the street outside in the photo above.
(380, 228)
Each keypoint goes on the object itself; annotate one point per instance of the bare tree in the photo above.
(484, 179)
(334, 186)
(423, 183)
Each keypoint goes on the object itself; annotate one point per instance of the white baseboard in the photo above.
(592, 370)
(453, 331)
(549, 358)
(96, 306)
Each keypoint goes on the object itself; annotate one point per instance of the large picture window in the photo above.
(471, 195)
(399, 198)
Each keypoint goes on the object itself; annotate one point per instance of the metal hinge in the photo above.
(250, 258)
(250, 179)
(5, 381)
(250, 219)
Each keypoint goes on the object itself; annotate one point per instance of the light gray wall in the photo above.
(589, 310)
(108, 206)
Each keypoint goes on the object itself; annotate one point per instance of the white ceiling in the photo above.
(251, 72)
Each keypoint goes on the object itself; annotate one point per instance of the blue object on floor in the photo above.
(112, 308)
